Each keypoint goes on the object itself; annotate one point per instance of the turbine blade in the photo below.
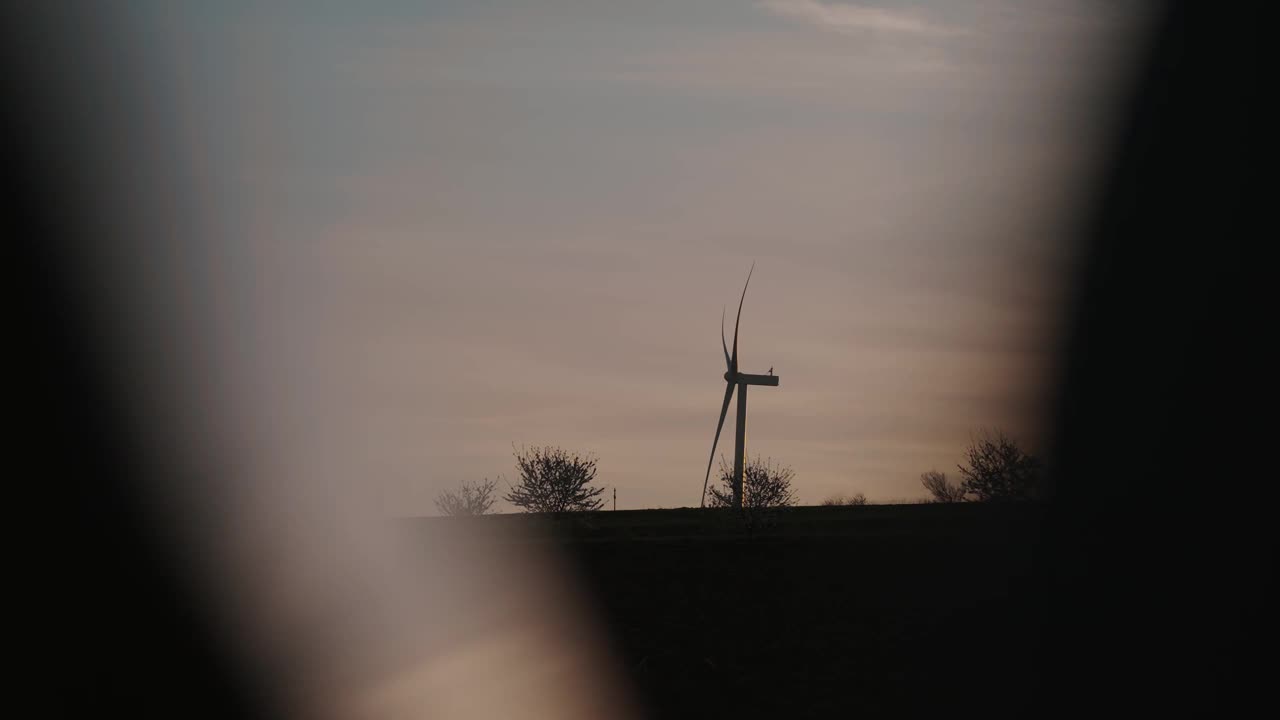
(724, 410)
(727, 364)
(734, 361)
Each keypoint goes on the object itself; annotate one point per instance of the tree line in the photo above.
(551, 479)
(548, 480)
(995, 469)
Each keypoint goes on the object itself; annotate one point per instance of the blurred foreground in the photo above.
(814, 611)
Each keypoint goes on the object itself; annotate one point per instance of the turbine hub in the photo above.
(728, 376)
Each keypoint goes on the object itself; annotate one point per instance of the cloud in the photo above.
(851, 18)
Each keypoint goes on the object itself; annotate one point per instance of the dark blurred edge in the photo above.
(110, 621)
(1159, 546)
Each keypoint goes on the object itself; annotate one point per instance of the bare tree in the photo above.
(471, 499)
(765, 484)
(997, 469)
(854, 499)
(554, 480)
(942, 489)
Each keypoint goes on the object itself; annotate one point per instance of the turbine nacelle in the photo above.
(749, 379)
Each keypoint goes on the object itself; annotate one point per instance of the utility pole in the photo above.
(615, 499)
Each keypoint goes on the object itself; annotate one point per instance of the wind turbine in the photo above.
(741, 380)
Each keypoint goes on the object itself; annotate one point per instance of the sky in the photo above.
(451, 230)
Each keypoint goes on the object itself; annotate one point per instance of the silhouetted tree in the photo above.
(997, 469)
(471, 499)
(555, 480)
(854, 499)
(765, 484)
(941, 489)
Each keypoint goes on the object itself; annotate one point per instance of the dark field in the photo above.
(901, 610)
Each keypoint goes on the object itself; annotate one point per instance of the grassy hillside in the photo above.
(815, 611)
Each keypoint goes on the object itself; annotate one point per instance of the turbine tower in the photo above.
(741, 381)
